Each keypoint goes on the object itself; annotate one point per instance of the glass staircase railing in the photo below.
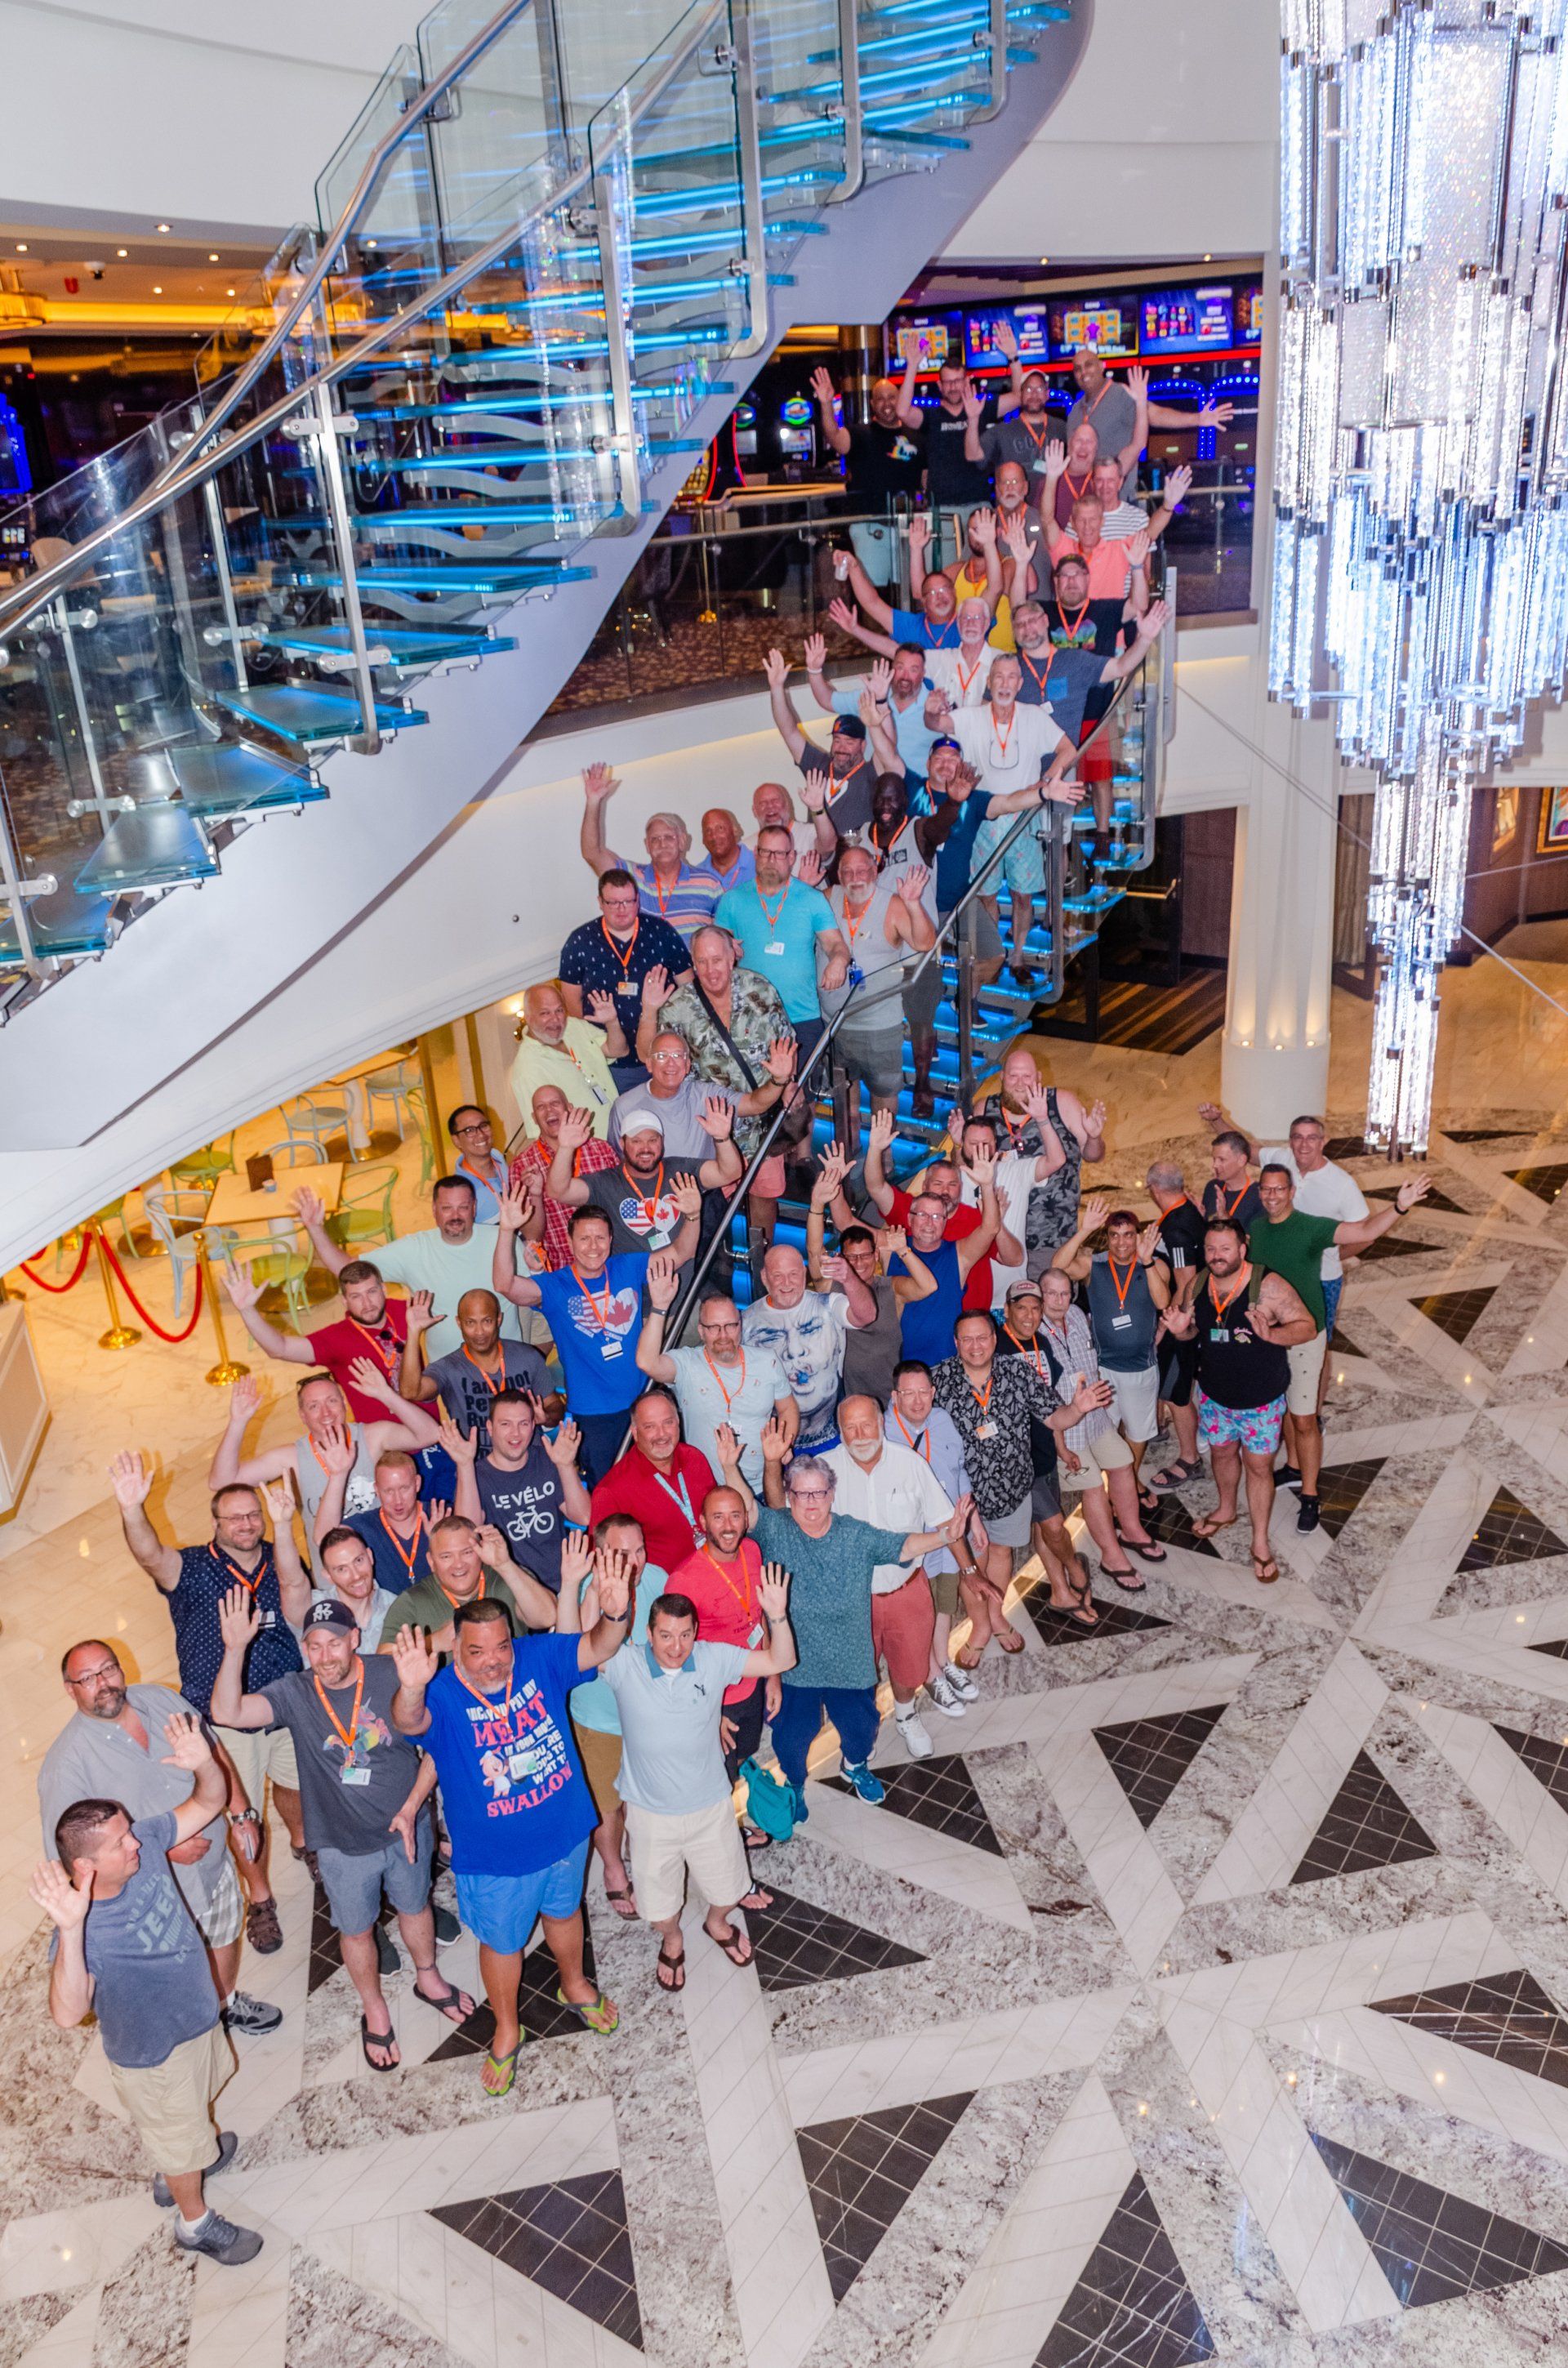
(553, 234)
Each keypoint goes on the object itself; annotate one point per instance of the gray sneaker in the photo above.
(227, 2141)
(448, 1928)
(247, 2013)
(221, 2241)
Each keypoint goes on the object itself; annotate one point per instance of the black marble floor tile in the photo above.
(861, 2173)
(1346, 1146)
(1150, 1756)
(1509, 1532)
(1547, 1760)
(1132, 2307)
(544, 2016)
(798, 1944)
(1171, 1524)
(1366, 1825)
(939, 1794)
(1434, 1200)
(1432, 2246)
(1456, 1313)
(1507, 2015)
(1389, 1246)
(1059, 1628)
(1556, 1645)
(1546, 1183)
(1341, 1487)
(1483, 1134)
(570, 2238)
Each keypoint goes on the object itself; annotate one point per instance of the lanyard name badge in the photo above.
(777, 947)
(984, 1427)
(1122, 1322)
(1219, 1329)
(680, 1495)
(746, 1599)
(244, 1579)
(626, 985)
(349, 1774)
(608, 1345)
(659, 1234)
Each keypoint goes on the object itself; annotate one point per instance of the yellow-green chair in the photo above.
(286, 1268)
(202, 1166)
(364, 1214)
(415, 1097)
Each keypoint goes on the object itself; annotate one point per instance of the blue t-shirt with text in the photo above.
(512, 1791)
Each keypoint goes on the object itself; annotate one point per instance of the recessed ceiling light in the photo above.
(1208, 258)
(21, 247)
(122, 251)
(157, 292)
(1045, 259)
(212, 258)
(163, 225)
(231, 292)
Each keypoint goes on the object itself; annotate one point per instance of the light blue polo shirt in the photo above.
(591, 1704)
(792, 929)
(912, 734)
(672, 1762)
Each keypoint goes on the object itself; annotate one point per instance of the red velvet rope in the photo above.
(173, 1338)
(74, 1277)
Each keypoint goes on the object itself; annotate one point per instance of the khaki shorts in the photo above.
(225, 1911)
(706, 1844)
(257, 1753)
(600, 1756)
(1108, 1453)
(1306, 1366)
(944, 1587)
(171, 2102)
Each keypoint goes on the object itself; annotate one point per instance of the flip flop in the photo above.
(446, 2001)
(753, 1838)
(757, 1901)
(1152, 1551)
(1268, 1572)
(628, 1913)
(675, 1966)
(497, 2073)
(1206, 1526)
(602, 2015)
(368, 2039)
(1176, 1475)
(1127, 1579)
(734, 1946)
(1009, 1639)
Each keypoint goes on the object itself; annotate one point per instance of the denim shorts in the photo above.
(353, 1885)
(501, 1910)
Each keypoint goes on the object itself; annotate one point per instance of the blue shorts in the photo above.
(1254, 1429)
(501, 1910)
(353, 1885)
(1331, 1292)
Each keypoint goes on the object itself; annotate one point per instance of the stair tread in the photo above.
(65, 923)
(409, 645)
(159, 846)
(239, 779)
(301, 712)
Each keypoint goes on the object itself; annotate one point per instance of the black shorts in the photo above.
(748, 1720)
(1178, 1370)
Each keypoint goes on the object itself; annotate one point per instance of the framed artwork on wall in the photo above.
(1504, 816)
(1551, 837)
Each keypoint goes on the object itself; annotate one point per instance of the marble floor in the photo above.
(1204, 1998)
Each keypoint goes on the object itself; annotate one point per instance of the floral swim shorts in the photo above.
(1256, 1430)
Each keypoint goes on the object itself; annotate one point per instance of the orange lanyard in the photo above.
(1038, 678)
(719, 1377)
(925, 1446)
(488, 1181)
(411, 1556)
(1037, 435)
(1014, 1126)
(344, 1733)
(982, 1403)
(772, 917)
(1071, 630)
(601, 1315)
(379, 1346)
(1220, 1305)
(494, 1383)
(1082, 487)
(457, 1603)
(659, 888)
(494, 1709)
(624, 958)
(856, 924)
(1025, 1349)
(315, 1451)
(1121, 1288)
(965, 586)
(965, 680)
(1003, 738)
(649, 1208)
(747, 1600)
(564, 1047)
(241, 1577)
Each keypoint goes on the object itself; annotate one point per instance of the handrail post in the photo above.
(997, 34)
(99, 800)
(1061, 833)
(854, 177)
(965, 949)
(754, 218)
(329, 461)
(15, 894)
(615, 279)
(225, 580)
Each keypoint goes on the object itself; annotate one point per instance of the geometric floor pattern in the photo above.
(1203, 1996)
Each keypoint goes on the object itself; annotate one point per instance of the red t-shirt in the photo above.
(977, 1290)
(657, 1500)
(337, 1345)
(729, 1610)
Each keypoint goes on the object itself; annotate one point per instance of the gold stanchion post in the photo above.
(226, 1369)
(432, 1116)
(118, 1336)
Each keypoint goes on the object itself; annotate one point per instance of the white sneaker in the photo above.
(962, 1681)
(913, 1735)
(942, 1697)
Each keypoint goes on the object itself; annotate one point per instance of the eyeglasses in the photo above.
(483, 1128)
(87, 1677)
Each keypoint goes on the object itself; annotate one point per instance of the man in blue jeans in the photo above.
(830, 1559)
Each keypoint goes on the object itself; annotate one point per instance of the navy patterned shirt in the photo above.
(206, 1574)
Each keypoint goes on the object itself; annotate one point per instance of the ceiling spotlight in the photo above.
(122, 251)
(231, 292)
(21, 247)
(1045, 259)
(163, 225)
(1208, 258)
(157, 292)
(212, 258)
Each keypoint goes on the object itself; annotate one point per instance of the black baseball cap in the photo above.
(330, 1613)
(852, 726)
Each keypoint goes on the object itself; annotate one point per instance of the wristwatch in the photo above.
(243, 1818)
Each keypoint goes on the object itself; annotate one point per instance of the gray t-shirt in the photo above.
(870, 1354)
(1113, 417)
(466, 1392)
(684, 1138)
(347, 1792)
(525, 1506)
(154, 1984)
(1011, 440)
(672, 1763)
(94, 1758)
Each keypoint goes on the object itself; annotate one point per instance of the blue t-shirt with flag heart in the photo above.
(595, 1329)
(513, 1792)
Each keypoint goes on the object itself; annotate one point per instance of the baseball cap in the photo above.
(642, 1121)
(945, 740)
(1023, 1289)
(852, 726)
(330, 1613)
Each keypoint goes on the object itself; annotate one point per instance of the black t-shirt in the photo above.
(881, 462)
(401, 1563)
(948, 476)
(592, 958)
(1218, 1202)
(641, 1211)
(1181, 1237)
(525, 1506)
(1042, 1440)
(1096, 626)
(848, 800)
(465, 1388)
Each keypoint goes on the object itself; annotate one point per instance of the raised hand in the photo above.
(415, 1656)
(1154, 621)
(576, 1561)
(435, 1510)
(830, 1176)
(277, 1501)
(188, 1747)
(816, 653)
(369, 1378)
(601, 1007)
(1006, 341)
(842, 615)
(1417, 1187)
(912, 882)
(307, 1205)
(773, 1592)
(822, 388)
(655, 987)
(983, 522)
(64, 1902)
(1148, 1242)
(965, 776)
(1137, 547)
(813, 792)
(238, 1618)
(981, 1161)
(892, 1242)
(576, 1127)
(1210, 1113)
(598, 783)
(727, 1441)
(1094, 1118)
(881, 1132)
(879, 682)
(565, 1447)
(775, 1441)
(835, 1270)
(809, 867)
(780, 1059)
(612, 1576)
(686, 1194)
(1056, 459)
(1216, 415)
(462, 1448)
(493, 1551)
(717, 1118)
(664, 1280)
(421, 1313)
(336, 1449)
(1093, 1214)
(1091, 1396)
(242, 1292)
(1015, 535)
(244, 1398)
(130, 1479)
(919, 530)
(512, 1211)
(776, 667)
(973, 401)
(1177, 486)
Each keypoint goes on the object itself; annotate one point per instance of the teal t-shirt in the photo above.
(778, 938)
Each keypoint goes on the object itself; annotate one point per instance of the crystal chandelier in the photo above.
(1421, 557)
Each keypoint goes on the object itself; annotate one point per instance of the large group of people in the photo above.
(610, 1497)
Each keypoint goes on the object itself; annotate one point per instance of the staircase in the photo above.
(546, 260)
